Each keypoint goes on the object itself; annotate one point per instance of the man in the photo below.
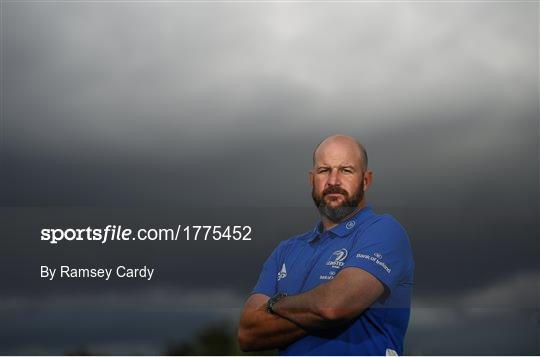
(343, 288)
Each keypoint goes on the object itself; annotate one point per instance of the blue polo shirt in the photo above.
(375, 243)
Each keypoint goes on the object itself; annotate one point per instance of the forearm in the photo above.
(311, 310)
(334, 303)
(326, 306)
(260, 330)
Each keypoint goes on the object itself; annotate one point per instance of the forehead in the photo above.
(338, 153)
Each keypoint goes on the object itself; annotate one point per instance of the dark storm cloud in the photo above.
(168, 113)
(125, 86)
(159, 78)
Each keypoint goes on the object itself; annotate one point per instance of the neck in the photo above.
(328, 224)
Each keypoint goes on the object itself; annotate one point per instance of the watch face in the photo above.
(273, 300)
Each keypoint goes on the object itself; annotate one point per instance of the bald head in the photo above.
(337, 143)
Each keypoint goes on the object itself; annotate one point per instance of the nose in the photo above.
(333, 178)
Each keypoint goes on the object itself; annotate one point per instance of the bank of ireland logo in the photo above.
(282, 273)
(337, 258)
(350, 224)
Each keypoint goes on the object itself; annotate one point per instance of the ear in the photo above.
(368, 179)
(311, 177)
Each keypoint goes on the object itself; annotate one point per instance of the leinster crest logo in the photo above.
(337, 258)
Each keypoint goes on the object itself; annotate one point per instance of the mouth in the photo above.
(333, 196)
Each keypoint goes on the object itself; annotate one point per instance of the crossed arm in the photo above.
(328, 305)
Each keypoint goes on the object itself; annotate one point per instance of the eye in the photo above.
(322, 169)
(347, 170)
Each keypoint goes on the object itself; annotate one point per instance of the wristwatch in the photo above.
(270, 303)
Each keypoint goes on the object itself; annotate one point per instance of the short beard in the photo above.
(337, 214)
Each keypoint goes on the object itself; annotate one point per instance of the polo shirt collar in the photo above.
(346, 227)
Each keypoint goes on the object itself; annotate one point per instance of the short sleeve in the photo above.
(267, 283)
(384, 251)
